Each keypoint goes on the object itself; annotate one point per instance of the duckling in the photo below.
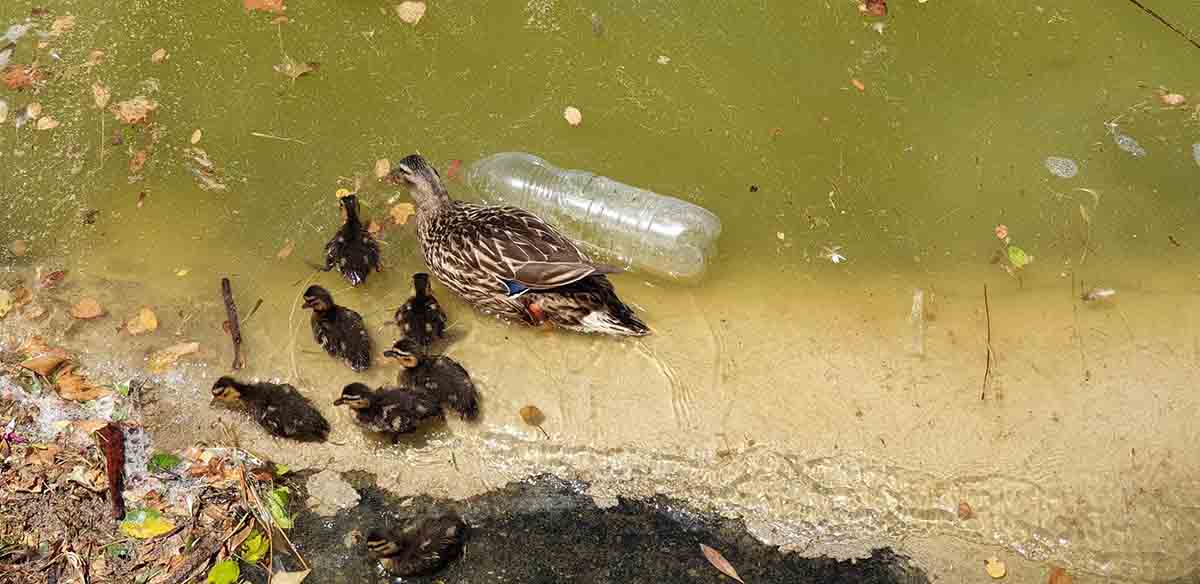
(279, 409)
(339, 330)
(353, 251)
(421, 318)
(440, 375)
(389, 410)
(422, 548)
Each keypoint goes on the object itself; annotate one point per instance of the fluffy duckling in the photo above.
(339, 330)
(353, 251)
(440, 375)
(279, 409)
(423, 548)
(390, 411)
(421, 318)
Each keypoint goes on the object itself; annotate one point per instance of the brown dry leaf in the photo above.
(286, 250)
(196, 135)
(75, 387)
(295, 69)
(86, 309)
(573, 115)
(18, 77)
(101, 94)
(33, 312)
(134, 111)
(145, 321)
(62, 25)
(94, 58)
(6, 303)
(532, 415)
(21, 296)
(138, 161)
(858, 85)
(874, 8)
(720, 563)
(289, 577)
(43, 454)
(374, 228)
(410, 11)
(272, 6)
(964, 511)
(401, 212)
(88, 426)
(19, 247)
(50, 280)
(158, 56)
(40, 357)
(1172, 99)
(162, 360)
(382, 167)
(1060, 576)
(47, 123)
(33, 110)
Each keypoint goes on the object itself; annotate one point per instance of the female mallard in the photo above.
(279, 409)
(353, 251)
(339, 330)
(509, 262)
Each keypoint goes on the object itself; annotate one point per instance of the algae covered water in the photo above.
(851, 160)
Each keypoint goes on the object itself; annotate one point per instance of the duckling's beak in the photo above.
(392, 353)
(340, 401)
(309, 303)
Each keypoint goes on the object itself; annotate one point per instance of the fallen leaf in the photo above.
(964, 511)
(160, 361)
(47, 123)
(196, 135)
(254, 547)
(158, 56)
(33, 110)
(277, 501)
(382, 167)
(21, 296)
(401, 212)
(33, 312)
(75, 387)
(40, 357)
(86, 427)
(1060, 576)
(101, 94)
(141, 200)
(1172, 99)
(134, 111)
(410, 12)
(43, 455)
(19, 247)
(995, 568)
(280, 20)
(272, 6)
(6, 303)
(138, 161)
(86, 309)
(573, 115)
(289, 577)
(286, 250)
(295, 69)
(145, 321)
(62, 25)
(18, 77)
(52, 279)
(532, 415)
(146, 524)
(874, 8)
(858, 85)
(1018, 257)
(94, 58)
(719, 562)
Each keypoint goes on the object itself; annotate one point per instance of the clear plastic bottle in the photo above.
(659, 234)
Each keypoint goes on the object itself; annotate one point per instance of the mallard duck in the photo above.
(353, 251)
(509, 262)
(421, 318)
(422, 548)
(279, 409)
(339, 330)
(389, 411)
(440, 375)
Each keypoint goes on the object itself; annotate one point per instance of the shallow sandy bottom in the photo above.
(818, 421)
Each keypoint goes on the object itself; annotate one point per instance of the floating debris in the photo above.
(1061, 167)
(1098, 294)
(833, 253)
(4, 114)
(573, 115)
(1195, 148)
(410, 12)
(1172, 99)
(1129, 144)
(15, 32)
(995, 568)
(719, 562)
(5, 55)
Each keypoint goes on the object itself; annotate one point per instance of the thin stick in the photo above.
(1185, 36)
(280, 138)
(987, 370)
(235, 330)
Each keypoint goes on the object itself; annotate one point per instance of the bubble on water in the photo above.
(1127, 143)
(1061, 167)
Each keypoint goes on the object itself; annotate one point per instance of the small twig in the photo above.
(987, 370)
(235, 330)
(257, 305)
(1177, 31)
(280, 138)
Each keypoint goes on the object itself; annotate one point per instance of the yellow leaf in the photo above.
(86, 309)
(145, 524)
(286, 250)
(401, 212)
(145, 321)
(47, 123)
(411, 12)
(196, 135)
(62, 25)
(134, 111)
(382, 167)
(159, 56)
(101, 94)
(995, 568)
(160, 361)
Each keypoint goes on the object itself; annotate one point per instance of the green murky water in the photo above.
(804, 367)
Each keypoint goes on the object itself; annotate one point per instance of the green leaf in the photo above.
(145, 524)
(163, 461)
(226, 572)
(281, 469)
(1018, 257)
(277, 500)
(255, 547)
(117, 550)
(122, 388)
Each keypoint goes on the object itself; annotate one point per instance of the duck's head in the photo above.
(318, 299)
(226, 389)
(421, 283)
(405, 351)
(422, 181)
(355, 395)
(380, 544)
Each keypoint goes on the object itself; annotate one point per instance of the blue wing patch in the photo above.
(514, 288)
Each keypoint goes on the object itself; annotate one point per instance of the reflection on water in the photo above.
(786, 388)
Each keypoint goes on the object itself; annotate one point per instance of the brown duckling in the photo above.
(421, 318)
(422, 548)
(279, 409)
(339, 330)
(353, 251)
(440, 375)
(391, 411)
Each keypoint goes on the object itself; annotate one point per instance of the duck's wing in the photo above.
(521, 250)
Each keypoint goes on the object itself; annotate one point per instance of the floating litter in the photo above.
(1127, 143)
(1195, 152)
(1062, 167)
